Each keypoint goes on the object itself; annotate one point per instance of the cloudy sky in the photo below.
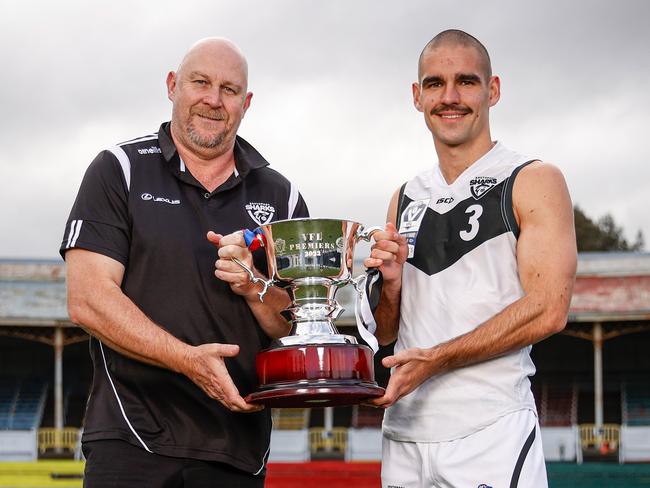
(332, 99)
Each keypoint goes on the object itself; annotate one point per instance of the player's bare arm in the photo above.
(546, 257)
(388, 253)
(267, 313)
(96, 303)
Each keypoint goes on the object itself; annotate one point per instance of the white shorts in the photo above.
(506, 454)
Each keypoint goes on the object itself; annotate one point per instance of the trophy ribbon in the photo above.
(366, 324)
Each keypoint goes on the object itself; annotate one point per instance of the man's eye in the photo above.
(230, 90)
(200, 82)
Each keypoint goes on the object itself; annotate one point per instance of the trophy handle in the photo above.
(255, 279)
(365, 234)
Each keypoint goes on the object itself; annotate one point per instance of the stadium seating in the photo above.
(557, 403)
(21, 403)
(364, 416)
(636, 403)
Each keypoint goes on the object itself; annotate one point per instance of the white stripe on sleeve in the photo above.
(293, 201)
(73, 224)
(124, 163)
(73, 243)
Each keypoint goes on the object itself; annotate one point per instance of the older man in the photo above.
(173, 347)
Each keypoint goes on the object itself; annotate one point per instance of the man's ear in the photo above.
(171, 85)
(495, 90)
(247, 102)
(415, 87)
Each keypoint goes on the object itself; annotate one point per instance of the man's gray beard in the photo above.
(206, 142)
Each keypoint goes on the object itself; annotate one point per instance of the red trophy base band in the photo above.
(315, 375)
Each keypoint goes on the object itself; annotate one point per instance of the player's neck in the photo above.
(454, 160)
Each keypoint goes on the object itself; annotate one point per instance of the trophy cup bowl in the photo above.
(314, 366)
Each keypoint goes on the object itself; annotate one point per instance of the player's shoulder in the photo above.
(538, 174)
(539, 185)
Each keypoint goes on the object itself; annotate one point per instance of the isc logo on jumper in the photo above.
(261, 213)
(480, 185)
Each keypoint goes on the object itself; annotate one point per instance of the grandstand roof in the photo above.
(612, 286)
(32, 293)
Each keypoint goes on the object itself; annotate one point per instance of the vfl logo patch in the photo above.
(480, 185)
(410, 221)
(262, 213)
(412, 215)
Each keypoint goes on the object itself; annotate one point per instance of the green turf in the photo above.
(592, 475)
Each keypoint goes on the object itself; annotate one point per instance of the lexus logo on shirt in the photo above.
(147, 197)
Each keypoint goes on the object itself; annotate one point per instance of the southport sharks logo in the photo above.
(480, 185)
(261, 213)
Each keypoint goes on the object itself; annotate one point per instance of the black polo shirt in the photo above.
(139, 205)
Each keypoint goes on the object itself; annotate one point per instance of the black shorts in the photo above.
(118, 464)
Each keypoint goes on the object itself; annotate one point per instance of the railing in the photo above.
(607, 439)
(321, 441)
(290, 418)
(58, 439)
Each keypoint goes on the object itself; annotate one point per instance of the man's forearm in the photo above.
(524, 322)
(387, 312)
(267, 313)
(113, 318)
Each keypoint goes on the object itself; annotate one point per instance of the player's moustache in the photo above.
(451, 108)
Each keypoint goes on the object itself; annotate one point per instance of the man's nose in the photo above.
(213, 98)
(450, 95)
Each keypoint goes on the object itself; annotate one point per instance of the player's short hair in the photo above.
(456, 37)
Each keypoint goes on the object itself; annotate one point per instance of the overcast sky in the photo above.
(332, 100)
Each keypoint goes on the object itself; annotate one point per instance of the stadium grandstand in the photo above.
(592, 384)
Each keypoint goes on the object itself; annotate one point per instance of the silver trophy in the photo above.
(314, 365)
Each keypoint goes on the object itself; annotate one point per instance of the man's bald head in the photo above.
(455, 37)
(218, 47)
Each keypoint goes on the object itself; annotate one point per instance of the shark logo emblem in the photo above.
(261, 213)
(480, 185)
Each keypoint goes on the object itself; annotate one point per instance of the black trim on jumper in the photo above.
(507, 199)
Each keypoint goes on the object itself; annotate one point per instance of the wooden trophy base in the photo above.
(315, 375)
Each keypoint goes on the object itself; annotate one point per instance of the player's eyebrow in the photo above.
(468, 77)
(431, 79)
